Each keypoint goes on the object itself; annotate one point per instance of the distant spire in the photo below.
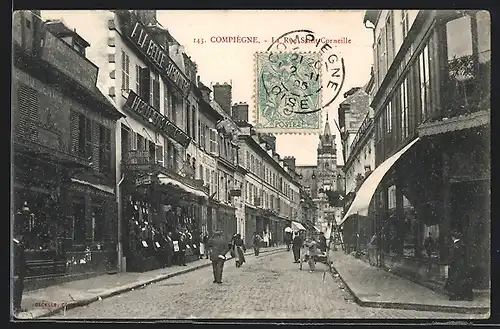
(327, 126)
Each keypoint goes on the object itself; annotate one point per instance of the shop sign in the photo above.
(146, 180)
(137, 105)
(138, 156)
(235, 192)
(138, 34)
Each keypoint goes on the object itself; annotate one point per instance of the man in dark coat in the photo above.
(288, 240)
(458, 284)
(205, 243)
(257, 240)
(169, 249)
(219, 248)
(296, 245)
(183, 241)
(322, 242)
(19, 271)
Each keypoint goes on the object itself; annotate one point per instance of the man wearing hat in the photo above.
(219, 248)
(19, 271)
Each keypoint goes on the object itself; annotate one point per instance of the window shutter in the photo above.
(390, 38)
(94, 145)
(74, 132)
(133, 140)
(159, 155)
(144, 84)
(28, 108)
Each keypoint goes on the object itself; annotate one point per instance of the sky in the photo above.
(234, 62)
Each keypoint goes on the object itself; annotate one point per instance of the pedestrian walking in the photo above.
(288, 240)
(206, 246)
(458, 284)
(257, 240)
(322, 242)
(19, 271)
(312, 253)
(296, 245)
(219, 248)
(238, 248)
(266, 239)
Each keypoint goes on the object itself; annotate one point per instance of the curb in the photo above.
(413, 306)
(129, 287)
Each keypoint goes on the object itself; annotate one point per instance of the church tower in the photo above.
(327, 159)
(326, 177)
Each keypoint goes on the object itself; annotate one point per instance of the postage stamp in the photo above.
(327, 63)
(288, 92)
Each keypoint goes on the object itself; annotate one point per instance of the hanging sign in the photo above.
(146, 180)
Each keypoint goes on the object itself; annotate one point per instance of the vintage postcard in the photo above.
(251, 164)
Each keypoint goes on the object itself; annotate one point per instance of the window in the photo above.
(84, 137)
(383, 54)
(462, 64)
(405, 117)
(28, 23)
(404, 23)
(424, 73)
(188, 119)
(104, 150)
(125, 70)
(388, 118)
(125, 142)
(390, 39)
(484, 55)
(159, 154)
(193, 121)
(141, 143)
(155, 93)
(28, 108)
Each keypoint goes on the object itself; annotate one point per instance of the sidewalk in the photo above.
(375, 287)
(48, 301)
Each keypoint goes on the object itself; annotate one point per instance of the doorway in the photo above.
(470, 215)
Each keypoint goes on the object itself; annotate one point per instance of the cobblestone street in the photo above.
(269, 286)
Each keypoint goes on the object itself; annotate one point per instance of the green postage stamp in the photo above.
(288, 92)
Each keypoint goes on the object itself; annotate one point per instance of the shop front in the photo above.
(226, 220)
(68, 220)
(251, 214)
(155, 205)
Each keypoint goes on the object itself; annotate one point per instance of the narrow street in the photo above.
(265, 287)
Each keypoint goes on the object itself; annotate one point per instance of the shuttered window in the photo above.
(104, 150)
(125, 70)
(74, 123)
(28, 108)
(84, 137)
(154, 99)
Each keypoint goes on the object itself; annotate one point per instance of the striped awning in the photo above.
(100, 187)
(296, 226)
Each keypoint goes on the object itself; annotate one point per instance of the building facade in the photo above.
(431, 108)
(356, 124)
(154, 83)
(271, 188)
(63, 155)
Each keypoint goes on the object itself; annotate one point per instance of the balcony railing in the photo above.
(361, 131)
(143, 157)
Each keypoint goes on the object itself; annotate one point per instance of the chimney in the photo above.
(223, 95)
(240, 111)
(270, 140)
(290, 162)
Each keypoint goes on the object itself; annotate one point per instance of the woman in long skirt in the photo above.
(239, 250)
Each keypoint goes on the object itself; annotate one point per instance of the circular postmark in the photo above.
(329, 69)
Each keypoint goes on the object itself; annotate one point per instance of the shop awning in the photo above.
(297, 227)
(164, 180)
(103, 188)
(365, 193)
